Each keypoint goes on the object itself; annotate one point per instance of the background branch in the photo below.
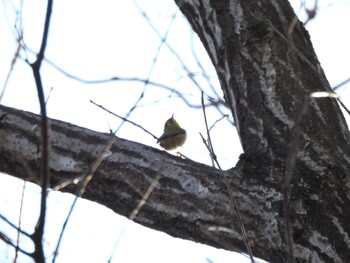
(37, 236)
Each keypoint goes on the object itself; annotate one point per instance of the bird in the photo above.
(173, 136)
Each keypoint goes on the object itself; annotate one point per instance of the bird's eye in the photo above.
(169, 122)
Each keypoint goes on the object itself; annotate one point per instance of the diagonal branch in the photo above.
(189, 201)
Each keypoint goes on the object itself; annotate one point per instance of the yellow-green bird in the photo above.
(174, 136)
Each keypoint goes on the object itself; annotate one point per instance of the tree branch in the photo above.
(37, 236)
(189, 201)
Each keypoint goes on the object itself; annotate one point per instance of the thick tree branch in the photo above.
(190, 200)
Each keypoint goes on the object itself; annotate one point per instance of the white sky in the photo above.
(100, 39)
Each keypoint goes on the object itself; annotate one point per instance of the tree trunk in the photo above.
(291, 184)
(296, 146)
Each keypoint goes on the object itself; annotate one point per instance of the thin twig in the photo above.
(81, 190)
(182, 156)
(172, 50)
(341, 84)
(206, 125)
(8, 241)
(199, 64)
(210, 149)
(154, 62)
(227, 184)
(67, 182)
(127, 79)
(300, 111)
(48, 96)
(223, 117)
(139, 206)
(7, 221)
(13, 62)
(124, 119)
(308, 62)
(343, 105)
(331, 95)
(144, 198)
(302, 57)
(19, 47)
(234, 202)
(287, 189)
(311, 13)
(19, 222)
(30, 174)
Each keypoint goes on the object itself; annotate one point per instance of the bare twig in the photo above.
(118, 78)
(308, 62)
(223, 117)
(67, 182)
(48, 96)
(139, 206)
(155, 60)
(124, 119)
(144, 198)
(300, 54)
(129, 79)
(82, 188)
(229, 189)
(287, 189)
(300, 111)
(14, 226)
(199, 64)
(183, 156)
(343, 105)
(30, 175)
(324, 94)
(19, 222)
(176, 55)
(210, 148)
(341, 84)
(15, 57)
(311, 13)
(171, 49)
(8, 241)
(19, 47)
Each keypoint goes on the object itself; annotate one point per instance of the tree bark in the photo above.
(292, 182)
(296, 146)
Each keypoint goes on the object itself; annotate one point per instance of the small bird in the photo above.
(173, 136)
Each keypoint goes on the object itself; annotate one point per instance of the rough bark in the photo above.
(296, 147)
(293, 143)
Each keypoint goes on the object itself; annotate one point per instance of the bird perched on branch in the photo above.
(174, 136)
